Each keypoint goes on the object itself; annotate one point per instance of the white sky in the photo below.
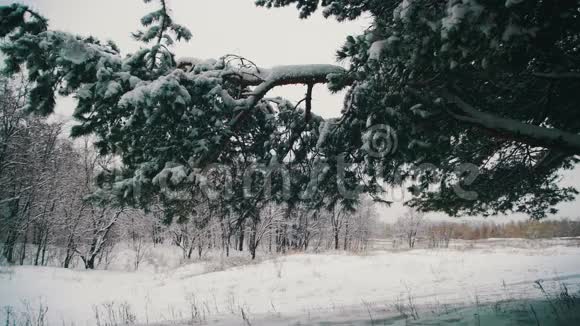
(219, 27)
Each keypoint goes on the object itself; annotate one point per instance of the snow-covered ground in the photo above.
(298, 287)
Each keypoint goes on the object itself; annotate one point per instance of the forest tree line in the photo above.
(413, 227)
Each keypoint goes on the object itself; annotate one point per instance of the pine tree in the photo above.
(170, 119)
(489, 83)
(476, 98)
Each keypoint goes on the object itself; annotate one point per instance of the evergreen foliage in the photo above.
(489, 83)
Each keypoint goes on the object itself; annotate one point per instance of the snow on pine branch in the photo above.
(287, 75)
(257, 76)
(264, 79)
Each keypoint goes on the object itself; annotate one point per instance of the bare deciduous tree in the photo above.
(409, 226)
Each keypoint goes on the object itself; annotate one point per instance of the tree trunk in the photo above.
(37, 255)
(346, 237)
(241, 240)
(68, 258)
(9, 244)
(253, 241)
(44, 245)
(156, 234)
(24, 243)
(90, 263)
(70, 252)
(278, 239)
(253, 253)
(200, 247)
(228, 243)
(40, 235)
(412, 239)
(190, 250)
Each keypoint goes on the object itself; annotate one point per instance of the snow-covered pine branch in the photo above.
(262, 79)
(513, 129)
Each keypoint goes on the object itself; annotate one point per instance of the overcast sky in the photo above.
(219, 27)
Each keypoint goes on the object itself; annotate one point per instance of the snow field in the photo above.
(294, 285)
